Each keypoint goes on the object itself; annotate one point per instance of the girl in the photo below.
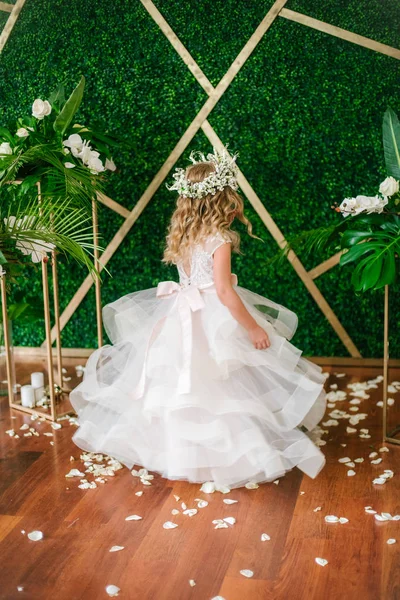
(201, 383)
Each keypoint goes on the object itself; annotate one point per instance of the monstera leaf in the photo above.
(375, 255)
(391, 143)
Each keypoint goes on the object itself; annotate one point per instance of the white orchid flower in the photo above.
(36, 248)
(110, 165)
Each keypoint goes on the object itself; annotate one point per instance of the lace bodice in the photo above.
(201, 262)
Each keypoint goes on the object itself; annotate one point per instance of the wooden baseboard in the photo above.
(35, 353)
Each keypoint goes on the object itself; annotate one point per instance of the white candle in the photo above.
(39, 393)
(37, 380)
(27, 396)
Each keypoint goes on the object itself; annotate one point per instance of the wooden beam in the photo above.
(6, 7)
(343, 34)
(325, 265)
(115, 206)
(12, 19)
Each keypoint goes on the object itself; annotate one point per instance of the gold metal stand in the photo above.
(387, 436)
(7, 344)
(97, 281)
(47, 318)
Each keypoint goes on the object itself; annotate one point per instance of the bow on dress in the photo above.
(188, 299)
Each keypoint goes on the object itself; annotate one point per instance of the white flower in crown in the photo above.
(225, 174)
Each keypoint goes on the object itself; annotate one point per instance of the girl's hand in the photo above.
(259, 338)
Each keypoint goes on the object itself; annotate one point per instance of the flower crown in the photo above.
(225, 174)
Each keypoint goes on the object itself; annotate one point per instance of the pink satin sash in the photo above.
(188, 299)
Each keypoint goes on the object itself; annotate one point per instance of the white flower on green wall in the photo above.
(41, 109)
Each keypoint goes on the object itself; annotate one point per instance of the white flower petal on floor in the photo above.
(331, 519)
(376, 461)
(133, 518)
(35, 536)
(321, 561)
(382, 517)
(229, 501)
(358, 460)
(230, 520)
(177, 498)
(116, 548)
(343, 520)
(224, 489)
(220, 524)
(183, 506)
(350, 464)
(265, 537)
(384, 449)
(372, 454)
(202, 503)
(175, 511)
(351, 473)
(112, 590)
(208, 487)
(75, 473)
(317, 509)
(138, 493)
(350, 430)
(192, 582)
(251, 485)
(391, 541)
(169, 525)
(246, 573)
(190, 511)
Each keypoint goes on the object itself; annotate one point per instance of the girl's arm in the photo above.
(230, 298)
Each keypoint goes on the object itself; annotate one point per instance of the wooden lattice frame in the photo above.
(200, 121)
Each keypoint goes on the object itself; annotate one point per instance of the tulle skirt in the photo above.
(182, 391)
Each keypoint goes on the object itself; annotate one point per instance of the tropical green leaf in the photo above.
(375, 260)
(351, 237)
(57, 97)
(391, 143)
(5, 133)
(69, 109)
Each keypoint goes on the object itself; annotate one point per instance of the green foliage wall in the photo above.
(304, 113)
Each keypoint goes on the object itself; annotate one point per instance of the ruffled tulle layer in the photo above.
(232, 414)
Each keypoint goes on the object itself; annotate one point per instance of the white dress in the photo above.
(183, 392)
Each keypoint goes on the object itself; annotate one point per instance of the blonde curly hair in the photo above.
(195, 219)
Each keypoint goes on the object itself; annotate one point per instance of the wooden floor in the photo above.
(79, 526)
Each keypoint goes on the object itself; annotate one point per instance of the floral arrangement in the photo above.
(370, 233)
(225, 174)
(69, 161)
